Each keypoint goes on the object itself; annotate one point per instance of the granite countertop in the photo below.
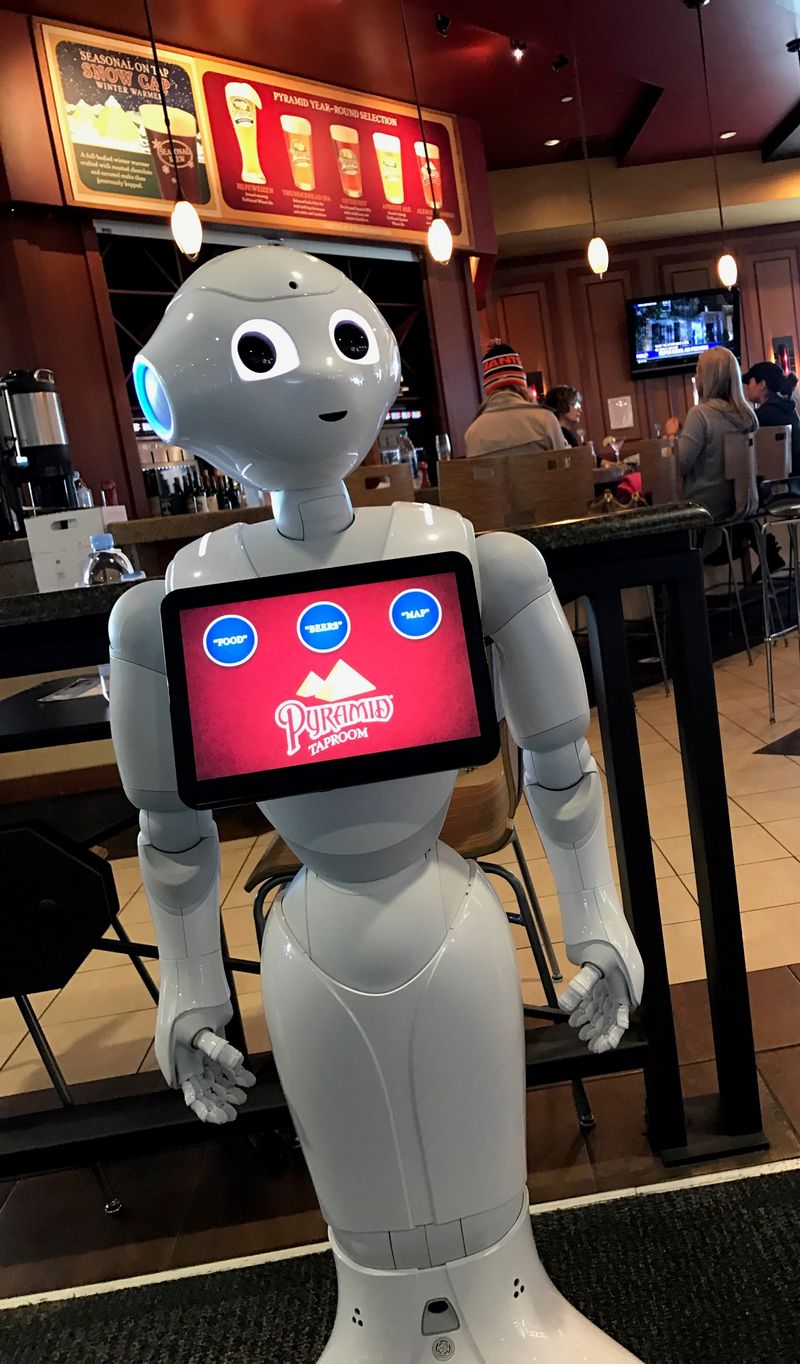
(610, 529)
(188, 526)
(37, 607)
(593, 530)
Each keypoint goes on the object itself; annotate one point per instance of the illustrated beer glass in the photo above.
(297, 136)
(184, 139)
(431, 177)
(348, 158)
(243, 104)
(390, 162)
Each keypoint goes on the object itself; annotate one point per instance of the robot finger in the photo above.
(237, 1075)
(578, 988)
(217, 1049)
(578, 1018)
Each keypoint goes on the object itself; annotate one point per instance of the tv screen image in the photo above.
(667, 334)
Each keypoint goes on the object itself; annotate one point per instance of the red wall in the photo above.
(568, 323)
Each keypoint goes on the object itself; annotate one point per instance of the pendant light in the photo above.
(727, 269)
(187, 229)
(440, 238)
(597, 251)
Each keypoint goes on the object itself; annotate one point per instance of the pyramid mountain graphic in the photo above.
(341, 683)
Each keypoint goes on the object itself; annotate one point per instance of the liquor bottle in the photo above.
(164, 495)
(233, 495)
(177, 500)
(242, 495)
(223, 502)
(200, 499)
(211, 493)
(153, 492)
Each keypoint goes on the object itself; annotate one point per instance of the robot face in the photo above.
(273, 366)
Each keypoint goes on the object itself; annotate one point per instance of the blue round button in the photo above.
(230, 641)
(323, 627)
(415, 613)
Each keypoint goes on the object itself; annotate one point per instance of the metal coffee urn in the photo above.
(36, 464)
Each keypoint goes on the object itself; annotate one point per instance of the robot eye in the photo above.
(256, 353)
(263, 349)
(353, 337)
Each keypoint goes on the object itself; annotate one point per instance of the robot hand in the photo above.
(598, 999)
(215, 1094)
(193, 1055)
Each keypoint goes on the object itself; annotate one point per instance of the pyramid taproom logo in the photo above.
(333, 710)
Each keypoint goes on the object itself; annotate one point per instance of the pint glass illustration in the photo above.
(390, 163)
(243, 104)
(299, 149)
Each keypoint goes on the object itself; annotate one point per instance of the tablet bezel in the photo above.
(333, 773)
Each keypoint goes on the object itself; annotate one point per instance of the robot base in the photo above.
(498, 1307)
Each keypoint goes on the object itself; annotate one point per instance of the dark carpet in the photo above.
(700, 1276)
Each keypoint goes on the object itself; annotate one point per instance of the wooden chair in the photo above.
(658, 465)
(480, 822)
(740, 470)
(395, 483)
(497, 492)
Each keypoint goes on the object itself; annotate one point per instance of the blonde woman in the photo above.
(722, 408)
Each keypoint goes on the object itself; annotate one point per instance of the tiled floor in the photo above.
(223, 1201)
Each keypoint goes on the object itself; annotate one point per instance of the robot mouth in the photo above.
(332, 416)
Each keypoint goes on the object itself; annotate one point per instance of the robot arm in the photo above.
(179, 858)
(545, 703)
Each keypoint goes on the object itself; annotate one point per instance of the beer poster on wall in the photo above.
(113, 130)
(291, 151)
(250, 146)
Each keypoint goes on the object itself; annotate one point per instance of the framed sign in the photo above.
(251, 146)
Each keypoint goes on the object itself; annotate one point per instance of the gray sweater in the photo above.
(702, 457)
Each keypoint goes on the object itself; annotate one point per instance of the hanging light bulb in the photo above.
(597, 251)
(598, 256)
(185, 223)
(728, 270)
(187, 228)
(440, 239)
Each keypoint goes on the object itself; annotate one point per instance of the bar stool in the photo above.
(779, 504)
(740, 470)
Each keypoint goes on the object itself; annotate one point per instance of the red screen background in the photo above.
(232, 710)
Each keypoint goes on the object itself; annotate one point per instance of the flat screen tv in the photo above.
(667, 333)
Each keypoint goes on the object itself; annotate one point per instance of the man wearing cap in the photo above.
(509, 421)
(771, 391)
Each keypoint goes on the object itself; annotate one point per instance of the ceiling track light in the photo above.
(518, 48)
(440, 238)
(597, 251)
(727, 269)
(443, 24)
(185, 224)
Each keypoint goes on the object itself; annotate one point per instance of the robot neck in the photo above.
(311, 513)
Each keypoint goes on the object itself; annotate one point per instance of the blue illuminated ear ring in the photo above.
(153, 398)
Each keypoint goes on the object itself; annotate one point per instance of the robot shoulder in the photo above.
(421, 528)
(218, 557)
(512, 574)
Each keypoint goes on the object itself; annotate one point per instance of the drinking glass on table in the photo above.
(443, 450)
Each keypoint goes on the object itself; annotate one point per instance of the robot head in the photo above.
(273, 366)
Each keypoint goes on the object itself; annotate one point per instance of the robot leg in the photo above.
(395, 1014)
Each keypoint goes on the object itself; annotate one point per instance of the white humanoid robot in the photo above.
(389, 975)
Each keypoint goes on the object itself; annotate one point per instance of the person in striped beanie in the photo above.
(509, 421)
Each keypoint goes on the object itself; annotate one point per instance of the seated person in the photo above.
(722, 408)
(566, 402)
(509, 419)
(771, 391)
